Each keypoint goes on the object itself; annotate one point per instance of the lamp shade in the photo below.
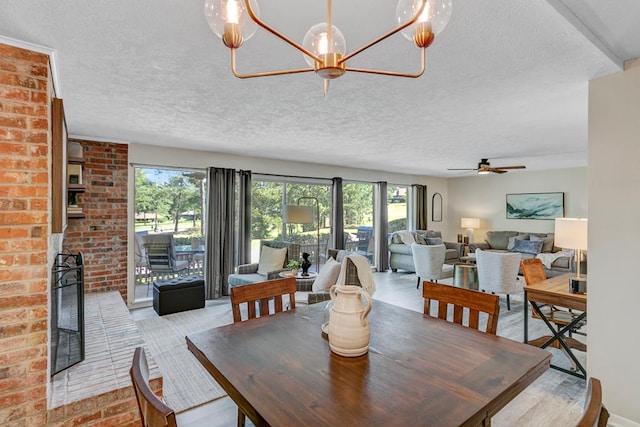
(470, 223)
(571, 233)
(298, 214)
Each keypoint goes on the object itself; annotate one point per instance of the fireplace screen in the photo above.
(67, 312)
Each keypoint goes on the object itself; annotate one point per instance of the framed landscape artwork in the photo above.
(535, 206)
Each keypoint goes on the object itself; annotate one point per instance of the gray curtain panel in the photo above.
(381, 226)
(337, 215)
(421, 211)
(244, 217)
(220, 224)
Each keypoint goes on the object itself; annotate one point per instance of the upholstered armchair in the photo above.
(428, 261)
(498, 272)
(269, 266)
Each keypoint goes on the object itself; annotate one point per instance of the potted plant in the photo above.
(293, 265)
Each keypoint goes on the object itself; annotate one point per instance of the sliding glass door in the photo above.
(358, 199)
(269, 201)
(168, 202)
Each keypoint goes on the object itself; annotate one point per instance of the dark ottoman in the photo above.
(179, 294)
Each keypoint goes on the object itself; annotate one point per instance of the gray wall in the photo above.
(614, 203)
(484, 197)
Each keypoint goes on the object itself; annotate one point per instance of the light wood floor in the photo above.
(555, 399)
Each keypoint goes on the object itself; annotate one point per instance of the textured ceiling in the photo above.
(506, 80)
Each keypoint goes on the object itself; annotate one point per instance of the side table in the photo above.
(465, 275)
(469, 259)
(303, 283)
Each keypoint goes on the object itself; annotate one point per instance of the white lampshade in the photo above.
(298, 214)
(470, 223)
(571, 233)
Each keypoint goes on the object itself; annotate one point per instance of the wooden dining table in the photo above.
(419, 370)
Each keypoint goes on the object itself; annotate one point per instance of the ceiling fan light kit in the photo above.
(324, 46)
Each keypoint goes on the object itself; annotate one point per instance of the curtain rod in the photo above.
(292, 176)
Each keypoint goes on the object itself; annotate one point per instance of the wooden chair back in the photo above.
(153, 412)
(259, 294)
(474, 301)
(533, 270)
(595, 414)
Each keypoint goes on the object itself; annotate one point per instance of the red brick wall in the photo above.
(24, 235)
(25, 138)
(102, 234)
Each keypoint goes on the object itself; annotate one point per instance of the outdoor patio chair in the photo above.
(140, 260)
(161, 256)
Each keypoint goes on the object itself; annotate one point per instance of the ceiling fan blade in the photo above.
(510, 167)
(465, 169)
(497, 170)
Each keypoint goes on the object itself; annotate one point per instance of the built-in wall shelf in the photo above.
(76, 160)
(75, 184)
(77, 188)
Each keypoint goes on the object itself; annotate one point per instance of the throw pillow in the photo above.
(420, 240)
(271, 259)
(527, 246)
(513, 239)
(327, 277)
(547, 242)
(406, 237)
(434, 241)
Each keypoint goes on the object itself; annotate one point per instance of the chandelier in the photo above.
(324, 46)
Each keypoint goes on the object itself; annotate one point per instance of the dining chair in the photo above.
(153, 411)
(533, 271)
(474, 302)
(595, 414)
(428, 261)
(498, 272)
(259, 294)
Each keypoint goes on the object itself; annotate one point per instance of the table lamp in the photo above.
(470, 224)
(296, 214)
(572, 233)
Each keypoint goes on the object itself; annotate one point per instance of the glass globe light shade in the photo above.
(316, 41)
(435, 12)
(221, 12)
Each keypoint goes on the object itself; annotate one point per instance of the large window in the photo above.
(169, 202)
(358, 200)
(271, 195)
(397, 211)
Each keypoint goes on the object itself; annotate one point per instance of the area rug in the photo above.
(186, 383)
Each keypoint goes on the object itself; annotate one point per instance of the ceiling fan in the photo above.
(484, 167)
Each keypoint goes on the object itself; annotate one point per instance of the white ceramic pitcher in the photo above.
(348, 322)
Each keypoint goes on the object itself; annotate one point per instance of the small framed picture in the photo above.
(74, 174)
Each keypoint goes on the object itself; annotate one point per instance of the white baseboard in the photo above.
(618, 421)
